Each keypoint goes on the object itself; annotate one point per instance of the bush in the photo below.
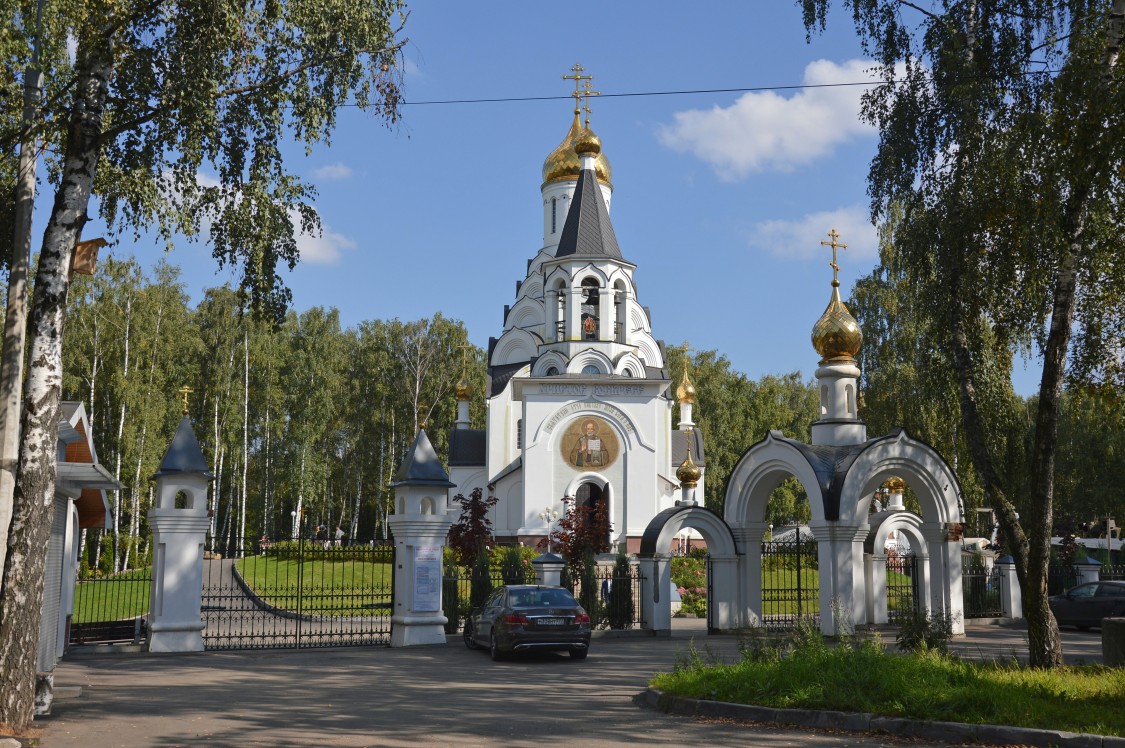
(514, 563)
(918, 632)
(619, 605)
(689, 574)
(480, 581)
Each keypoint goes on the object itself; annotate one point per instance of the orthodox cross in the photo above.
(183, 392)
(834, 236)
(586, 94)
(577, 77)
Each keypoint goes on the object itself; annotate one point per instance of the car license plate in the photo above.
(552, 621)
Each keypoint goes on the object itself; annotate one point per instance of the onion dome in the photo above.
(685, 393)
(464, 390)
(564, 164)
(836, 335)
(588, 143)
(688, 473)
(894, 484)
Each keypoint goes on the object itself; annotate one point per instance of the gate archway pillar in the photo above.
(875, 574)
(656, 588)
(748, 540)
(725, 600)
(840, 556)
(945, 597)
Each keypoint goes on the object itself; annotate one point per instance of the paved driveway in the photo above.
(425, 696)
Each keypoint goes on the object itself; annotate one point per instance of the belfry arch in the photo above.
(656, 567)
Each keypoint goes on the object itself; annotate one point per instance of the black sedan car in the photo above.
(525, 617)
(1086, 605)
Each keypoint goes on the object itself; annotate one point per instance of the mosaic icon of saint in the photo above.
(589, 450)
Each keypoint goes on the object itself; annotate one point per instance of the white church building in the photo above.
(579, 400)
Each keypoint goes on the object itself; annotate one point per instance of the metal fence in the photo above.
(298, 593)
(1060, 578)
(980, 589)
(613, 601)
(111, 608)
(790, 583)
(1111, 572)
(902, 587)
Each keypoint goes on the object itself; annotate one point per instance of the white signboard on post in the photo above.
(427, 578)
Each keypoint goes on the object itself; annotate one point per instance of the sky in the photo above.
(720, 199)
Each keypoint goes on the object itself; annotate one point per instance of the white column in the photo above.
(840, 552)
(945, 595)
(419, 540)
(574, 313)
(548, 569)
(551, 316)
(748, 541)
(608, 312)
(175, 623)
(656, 590)
(725, 604)
(1011, 597)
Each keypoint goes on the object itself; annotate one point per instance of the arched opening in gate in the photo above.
(718, 575)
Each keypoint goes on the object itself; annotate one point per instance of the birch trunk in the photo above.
(21, 591)
(120, 431)
(245, 429)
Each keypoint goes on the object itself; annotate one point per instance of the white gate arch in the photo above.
(656, 567)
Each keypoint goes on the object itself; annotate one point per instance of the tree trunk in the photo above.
(21, 592)
(120, 431)
(245, 428)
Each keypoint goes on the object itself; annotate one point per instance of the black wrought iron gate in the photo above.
(903, 595)
(790, 583)
(307, 593)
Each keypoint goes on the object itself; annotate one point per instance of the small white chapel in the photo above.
(579, 400)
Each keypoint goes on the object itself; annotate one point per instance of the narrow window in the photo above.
(519, 434)
(554, 214)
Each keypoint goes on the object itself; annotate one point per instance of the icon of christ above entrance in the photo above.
(590, 443)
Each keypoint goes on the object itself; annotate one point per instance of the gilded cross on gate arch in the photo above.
(834, 236)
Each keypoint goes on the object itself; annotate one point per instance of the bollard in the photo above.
(1113, 641)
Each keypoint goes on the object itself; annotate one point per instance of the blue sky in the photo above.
(720, 199)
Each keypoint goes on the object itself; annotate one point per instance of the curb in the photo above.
(946, 732)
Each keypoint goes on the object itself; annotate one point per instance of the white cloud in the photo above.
(800, 239)
(324, 249)
(333, 172)
(765, 131)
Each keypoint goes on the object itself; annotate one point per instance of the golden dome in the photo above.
(894, 484)
(588, 143)
(564, 164)
(836, 335)
(688, 473)
(464, 391)
(685, 393)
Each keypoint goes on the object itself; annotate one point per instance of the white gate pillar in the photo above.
(179, 526)
(875, 577)
(420, 527)
(748, 541)
(945, 595)
(656, 591)
(840, 552)
(724, 599)
(1011, 596)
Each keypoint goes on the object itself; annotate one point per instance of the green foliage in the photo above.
(926, 686)
(620, 608)
(480, 580)
(582, 533)
(919, 632)
(514, 564)
(689, 575)
(734, 412)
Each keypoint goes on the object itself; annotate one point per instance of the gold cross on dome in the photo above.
(834, 236)
(577, 78)
(183, 392)
(586, 94)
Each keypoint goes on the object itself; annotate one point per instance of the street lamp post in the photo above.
(293, 514)
(549, 516)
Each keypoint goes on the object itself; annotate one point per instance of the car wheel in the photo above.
(494, 648)
(579, 654)
(468, 636)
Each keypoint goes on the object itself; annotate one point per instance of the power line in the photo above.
(750, 89)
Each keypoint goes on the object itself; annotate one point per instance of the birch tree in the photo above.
(1002, 138)
(157, 92)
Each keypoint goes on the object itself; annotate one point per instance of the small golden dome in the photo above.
(836, 335)
(685, 393)
(894, 484)
(564, 164)
(688, 472)
(588, 143)
(464, 391)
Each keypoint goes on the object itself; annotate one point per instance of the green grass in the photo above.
(113, 598)
(338, 588)
(923, 686)
(787, 579)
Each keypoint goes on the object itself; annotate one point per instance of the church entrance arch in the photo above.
(723, 602)
(592, 503)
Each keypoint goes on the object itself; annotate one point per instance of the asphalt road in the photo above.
(423, 696)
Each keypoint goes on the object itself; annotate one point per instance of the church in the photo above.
(579, 400)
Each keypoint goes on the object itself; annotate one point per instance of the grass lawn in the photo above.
(786, 579)
(341, 588)
(922, 686)
(114, 598)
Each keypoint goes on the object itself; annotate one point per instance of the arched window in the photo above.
(591, 313)
(554, 214)
(591, 369)
(552, 372)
